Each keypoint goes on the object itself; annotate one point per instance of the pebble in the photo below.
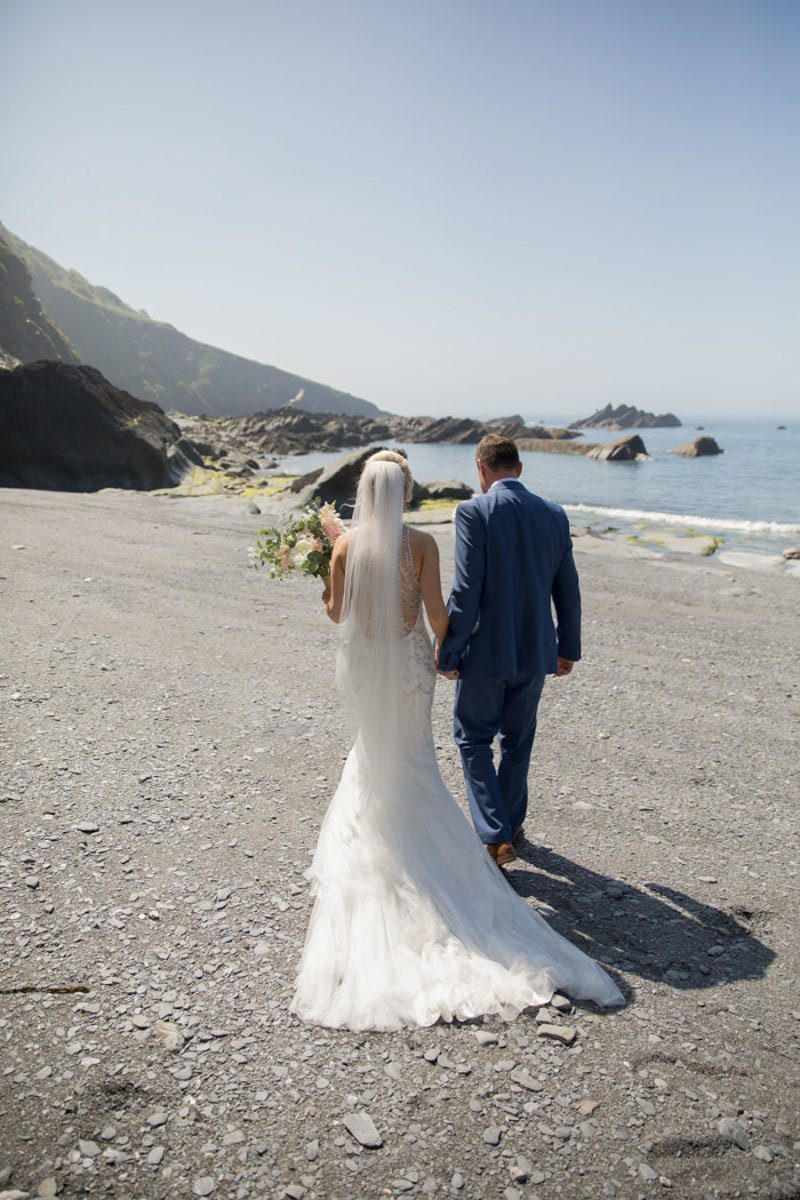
(87, 827)
(155, 1156)
(48, 1187)
(522, 1169)
(485, 1038)
(647, 1172)
(524, 1078)
(88, 1149)
(492, 1135)
(456, 1182)
(360, 1125)
(169, 1035)
(559, 1033)
(204, 1186)
(32, 881)
(732, 1131)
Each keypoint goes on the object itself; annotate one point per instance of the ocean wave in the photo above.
(692, 520)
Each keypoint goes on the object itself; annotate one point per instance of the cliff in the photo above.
(157, 362)
(26, 331)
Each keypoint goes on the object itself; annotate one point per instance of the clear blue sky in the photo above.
(439, 205)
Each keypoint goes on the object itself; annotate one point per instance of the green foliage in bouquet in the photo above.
(305, 544)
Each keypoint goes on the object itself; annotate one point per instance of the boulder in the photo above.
(791, 552)
(698, 447)
(630, 448)
(66, 427)
(336, 483)
(446, 489)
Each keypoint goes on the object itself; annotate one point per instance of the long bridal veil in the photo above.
(371, 629)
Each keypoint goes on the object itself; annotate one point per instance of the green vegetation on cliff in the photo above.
(27, 333)
(154, 361)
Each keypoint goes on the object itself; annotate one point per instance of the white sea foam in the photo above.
(693, 521)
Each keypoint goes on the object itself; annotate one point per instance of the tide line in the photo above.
(692, 520)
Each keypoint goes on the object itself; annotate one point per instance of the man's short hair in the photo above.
(498, 453)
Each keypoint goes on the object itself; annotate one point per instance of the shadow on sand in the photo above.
(652, 931)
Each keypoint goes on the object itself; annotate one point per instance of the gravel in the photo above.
(170, 739)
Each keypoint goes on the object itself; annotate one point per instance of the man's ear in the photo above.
(519, 470)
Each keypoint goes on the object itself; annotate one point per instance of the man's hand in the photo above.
(447, 674)
(565, 665)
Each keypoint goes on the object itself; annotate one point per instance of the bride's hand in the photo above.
(326, 595)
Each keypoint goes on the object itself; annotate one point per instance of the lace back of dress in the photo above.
(410, 594)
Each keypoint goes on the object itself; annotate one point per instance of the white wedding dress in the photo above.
(412, 921)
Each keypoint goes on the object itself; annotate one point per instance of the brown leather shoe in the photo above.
(501, 852)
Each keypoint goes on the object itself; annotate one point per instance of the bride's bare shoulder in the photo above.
(423, 545)
(420, 537)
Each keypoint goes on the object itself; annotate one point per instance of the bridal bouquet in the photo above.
(305, 544)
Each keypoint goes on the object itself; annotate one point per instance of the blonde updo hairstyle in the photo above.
(401, 461)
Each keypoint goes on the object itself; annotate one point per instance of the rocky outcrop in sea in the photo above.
(624, 416)
(699, 447)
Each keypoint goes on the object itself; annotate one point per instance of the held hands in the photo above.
(565, 665)
(447, 674)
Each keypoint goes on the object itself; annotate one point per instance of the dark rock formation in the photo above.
(26, 332)
(625, 416)
(336, 483)
(292, 430)
(699, 447)
(295, 431)
(66, 427)
(553, 445)
(446, 489)
(627, 449)
(465, 431)
(155, 361)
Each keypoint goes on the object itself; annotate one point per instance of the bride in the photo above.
(412, 921)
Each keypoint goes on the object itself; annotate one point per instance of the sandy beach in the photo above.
(171, 737)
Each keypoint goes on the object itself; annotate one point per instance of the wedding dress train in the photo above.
(412, 921)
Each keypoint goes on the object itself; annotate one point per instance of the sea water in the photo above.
(748, 496)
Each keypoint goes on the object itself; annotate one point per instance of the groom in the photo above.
(513, 555)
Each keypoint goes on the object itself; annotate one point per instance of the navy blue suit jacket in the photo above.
(513, 555)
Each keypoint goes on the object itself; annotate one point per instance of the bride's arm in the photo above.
(431, 587)
(334, 592)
